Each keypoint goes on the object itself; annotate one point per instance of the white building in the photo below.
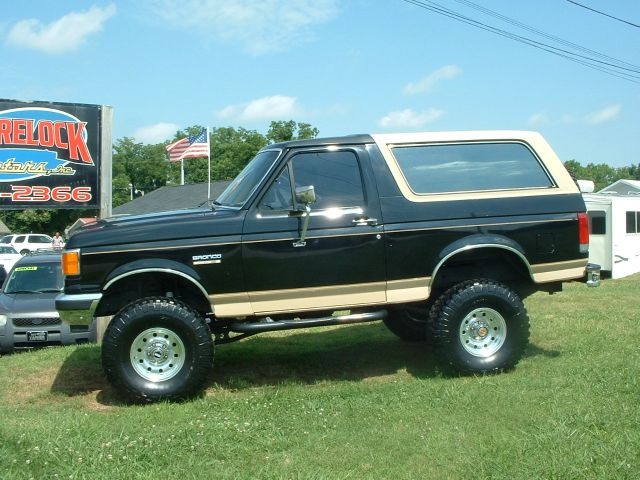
(614, 219)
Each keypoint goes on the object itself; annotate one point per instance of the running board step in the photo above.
(272, 326)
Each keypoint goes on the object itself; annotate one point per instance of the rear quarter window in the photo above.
(469, 167)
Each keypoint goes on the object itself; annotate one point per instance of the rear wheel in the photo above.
(24, 252)
(480, 326)
(157, 349)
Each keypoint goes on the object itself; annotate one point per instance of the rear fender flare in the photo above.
(475, 242)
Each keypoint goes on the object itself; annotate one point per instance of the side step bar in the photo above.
(272, 326)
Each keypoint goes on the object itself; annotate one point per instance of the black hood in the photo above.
(154, 227)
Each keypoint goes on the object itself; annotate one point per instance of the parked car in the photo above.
(28, 317)
(8, 257)
(27, 242)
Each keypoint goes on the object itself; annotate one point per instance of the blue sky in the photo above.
(354, 66)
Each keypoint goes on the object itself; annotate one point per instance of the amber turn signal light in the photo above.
(71, 262)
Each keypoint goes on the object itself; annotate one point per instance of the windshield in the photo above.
(239, 191)
(45, 277)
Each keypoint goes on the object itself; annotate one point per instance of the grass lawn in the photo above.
(349, 402)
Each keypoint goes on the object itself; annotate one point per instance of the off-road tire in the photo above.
(479, 327)
(147, 335)
(409, 322)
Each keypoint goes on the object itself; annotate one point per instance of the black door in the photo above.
(341, 261)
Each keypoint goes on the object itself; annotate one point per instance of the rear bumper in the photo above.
(593, 274)
(77, 309)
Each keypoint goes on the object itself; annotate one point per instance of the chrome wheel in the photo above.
(157, 354)
(482, 332)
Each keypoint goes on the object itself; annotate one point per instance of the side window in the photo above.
(39, 239)
(279, 196)
(19, 239)
(633, 222)
(335, 177)
(597, 222)
(6, 239)
(470, 167)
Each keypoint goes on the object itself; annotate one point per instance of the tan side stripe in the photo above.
(408, 290)
(550, 272)
(298, 299)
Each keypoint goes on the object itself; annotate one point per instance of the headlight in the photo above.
(3, 320)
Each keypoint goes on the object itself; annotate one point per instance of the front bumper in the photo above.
(15, 334)
(77, 309)
(593, 275)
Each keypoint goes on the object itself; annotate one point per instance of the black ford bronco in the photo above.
(439, 235)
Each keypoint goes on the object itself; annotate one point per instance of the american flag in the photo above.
(194, 146)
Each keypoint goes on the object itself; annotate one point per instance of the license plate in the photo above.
(36, 336)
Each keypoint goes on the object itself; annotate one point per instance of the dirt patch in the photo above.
(60, 385)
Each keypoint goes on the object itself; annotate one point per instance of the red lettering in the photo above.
(45, 133)
(30, 139)
(77, 144)
(5, 131)
(19, 131)
(58, 127)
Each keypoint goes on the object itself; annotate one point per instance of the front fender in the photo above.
(155, 265)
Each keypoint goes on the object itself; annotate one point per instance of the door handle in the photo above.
(364, 221)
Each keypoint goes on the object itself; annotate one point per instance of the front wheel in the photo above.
(157, 349)
(480, 326)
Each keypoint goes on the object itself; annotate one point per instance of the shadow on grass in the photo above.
(349, 353)
(352, 353)
(81, 374)
(534, 351)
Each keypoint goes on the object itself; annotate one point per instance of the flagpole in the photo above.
(209, 168)
(182, 171)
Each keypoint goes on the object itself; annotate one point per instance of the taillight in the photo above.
(583, 232)
(71, 262)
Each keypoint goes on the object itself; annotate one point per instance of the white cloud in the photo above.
(63, 35)
(275, 107)
(259, 26)
(156, 133)
(409, 118)
(598, 117)
(427, 83)
(602, 116)
(538, 119)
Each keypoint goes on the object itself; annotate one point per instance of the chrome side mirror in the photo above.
(307, 196)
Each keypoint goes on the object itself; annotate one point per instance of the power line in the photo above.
(548, 36)
(606, 67)
(605, 14)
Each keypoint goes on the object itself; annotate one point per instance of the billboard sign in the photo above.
(49, 155)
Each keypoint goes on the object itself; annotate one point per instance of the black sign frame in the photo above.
(50, 155)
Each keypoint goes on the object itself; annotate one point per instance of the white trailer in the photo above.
(614, 240)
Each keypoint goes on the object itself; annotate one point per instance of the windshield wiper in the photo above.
(49, 290)
(25, 291)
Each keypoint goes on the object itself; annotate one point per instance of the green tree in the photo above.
(231, 150)
(601, 174)
(137, 167)
(46, 221)
(284, 131)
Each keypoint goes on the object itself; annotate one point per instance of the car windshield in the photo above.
(35, 278)
(241, 188)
